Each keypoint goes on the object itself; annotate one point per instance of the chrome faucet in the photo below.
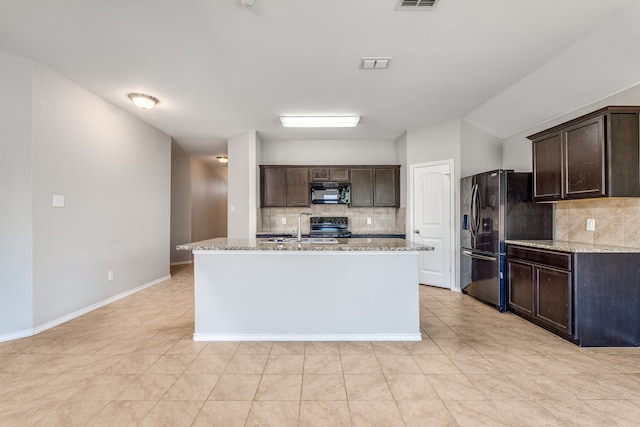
(300, 224)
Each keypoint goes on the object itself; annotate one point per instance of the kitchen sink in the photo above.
(314, 240)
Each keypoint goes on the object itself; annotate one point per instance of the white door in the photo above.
(431, 221)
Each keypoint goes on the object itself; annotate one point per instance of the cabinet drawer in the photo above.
(551, 259)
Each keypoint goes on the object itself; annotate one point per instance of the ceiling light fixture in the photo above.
(223, 159)
(146, 102)
(320, 121)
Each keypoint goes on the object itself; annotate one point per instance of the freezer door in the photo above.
(481, 277)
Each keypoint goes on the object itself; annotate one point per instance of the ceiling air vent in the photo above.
(415, 4)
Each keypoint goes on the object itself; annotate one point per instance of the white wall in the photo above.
(328, 152)
(516, 150)
(479, 150)
(516, 154)
(180, 203)
(114, 172)
(401, 157)
(16, 310)
(208, 201)
(439, 142)
(242, 183)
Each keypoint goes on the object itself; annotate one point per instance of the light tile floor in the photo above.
(134, 363)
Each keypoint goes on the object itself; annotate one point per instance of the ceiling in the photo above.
(220, 69)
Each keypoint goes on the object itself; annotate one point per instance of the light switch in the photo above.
(58, 201)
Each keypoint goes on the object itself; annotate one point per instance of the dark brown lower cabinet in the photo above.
(553, 297)
(520, 287)
(541, 293)
(589, 298)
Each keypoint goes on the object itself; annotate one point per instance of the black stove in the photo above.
(329, 226)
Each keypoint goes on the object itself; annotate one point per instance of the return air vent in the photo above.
(415, 5)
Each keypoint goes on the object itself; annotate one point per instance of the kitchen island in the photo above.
(265, 290)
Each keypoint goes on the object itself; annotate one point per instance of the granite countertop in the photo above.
(376, 235)
(367, 244)
(564, 246)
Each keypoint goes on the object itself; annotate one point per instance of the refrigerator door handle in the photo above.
(476, 203)
(474, 210)
(482, 257)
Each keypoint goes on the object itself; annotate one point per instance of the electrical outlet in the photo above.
(368, 221)
(284, 220)
(591, 224)
(58, 201)
(110, 275)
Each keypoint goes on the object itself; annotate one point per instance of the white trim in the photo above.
(307, 337)
(452, 219)
(181, 262)
(16, 335)
(78, 313)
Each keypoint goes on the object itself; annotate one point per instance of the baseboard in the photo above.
(82, 311)
(181, 262)
(307, 337)
(16, 335)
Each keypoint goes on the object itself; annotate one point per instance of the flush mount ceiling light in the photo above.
(248, 3)
(223, 159)
(146, 102)
(320, 121)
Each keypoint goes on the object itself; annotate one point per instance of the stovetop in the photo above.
(329, 226)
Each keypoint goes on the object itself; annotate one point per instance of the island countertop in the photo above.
(357, 244)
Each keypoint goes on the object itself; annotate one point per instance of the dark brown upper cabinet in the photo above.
(547, 166)
(329, 174)
(284, 186)
(361, 187)
(596, 155)
(289, 186)
(377, 186)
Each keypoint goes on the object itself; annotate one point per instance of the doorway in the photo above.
(431, 220)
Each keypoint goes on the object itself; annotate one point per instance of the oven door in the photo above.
(481, 277)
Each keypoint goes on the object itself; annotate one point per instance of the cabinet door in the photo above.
(384, 187)
(584, 159)
(319, 174)
(329, 174)
(547, 168)
(298, 190)
(553, 295)
(361, 187)
(520, 282)
(339, 174)
(274, 193)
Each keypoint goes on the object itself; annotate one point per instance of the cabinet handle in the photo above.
(416, 231)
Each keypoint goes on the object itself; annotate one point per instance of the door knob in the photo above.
(416, 231)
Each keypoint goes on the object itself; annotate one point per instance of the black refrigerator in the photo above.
(496, 206)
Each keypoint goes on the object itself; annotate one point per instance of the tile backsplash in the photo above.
(617, 221)
(383, 220)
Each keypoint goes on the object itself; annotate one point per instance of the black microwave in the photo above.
(330, 193)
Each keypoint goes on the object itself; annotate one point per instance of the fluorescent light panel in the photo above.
(320, 121)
